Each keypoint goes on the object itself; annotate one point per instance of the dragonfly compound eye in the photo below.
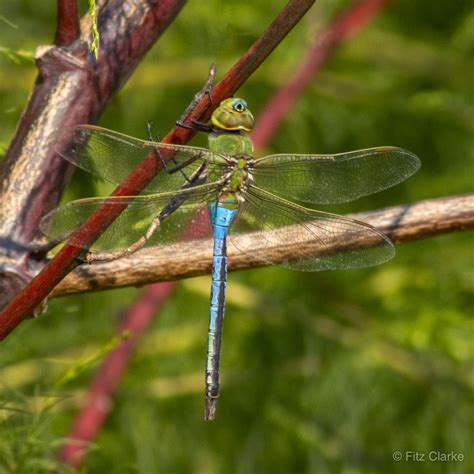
(239, 105)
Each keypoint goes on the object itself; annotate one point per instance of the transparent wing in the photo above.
(178, 213)
(266, 225)
(113, 156)
(326, 179)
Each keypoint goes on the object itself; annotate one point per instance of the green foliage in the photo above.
(326, 373)
(27, 444)
(19, 56)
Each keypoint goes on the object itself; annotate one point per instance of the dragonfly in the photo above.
(226, 193)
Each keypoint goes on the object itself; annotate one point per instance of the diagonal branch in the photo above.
(401, 223)
(38, 289)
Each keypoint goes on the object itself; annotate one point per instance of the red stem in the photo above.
(71, 88)
(346, 24)
(70, 256)
(68, 27)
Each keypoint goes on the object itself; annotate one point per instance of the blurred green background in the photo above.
(322, 373)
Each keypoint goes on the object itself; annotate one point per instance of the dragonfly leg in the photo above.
(42, 245)
(198, 126)
(168, 170)
(206, 90)
(153, 138)
(140, 243)
(198, 177)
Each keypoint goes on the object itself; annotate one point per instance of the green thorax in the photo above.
(236, 145)
(231, 144)
(233, 122)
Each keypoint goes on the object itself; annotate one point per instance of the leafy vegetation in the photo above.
(329, 372)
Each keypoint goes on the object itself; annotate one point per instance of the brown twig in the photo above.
(346, 24)
(38, 289)
(401, 223)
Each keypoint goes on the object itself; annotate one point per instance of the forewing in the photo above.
(112, 156)
(327, 179)
(181, 219)
(276, 231)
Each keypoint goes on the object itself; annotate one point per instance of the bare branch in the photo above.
(25, 302)
(401, 223)
(68, 27)
(72, 87)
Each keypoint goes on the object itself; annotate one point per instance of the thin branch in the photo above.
(23, 305)
(346, 24)
(401, 223)
(68, 28)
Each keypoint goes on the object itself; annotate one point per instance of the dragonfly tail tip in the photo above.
(210, 410)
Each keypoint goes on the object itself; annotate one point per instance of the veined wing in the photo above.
(176, 211)
(267, 224)
(326, 179)
(113, 156)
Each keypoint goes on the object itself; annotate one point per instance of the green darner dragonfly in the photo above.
(226, 190)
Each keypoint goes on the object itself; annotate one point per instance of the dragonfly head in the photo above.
(233, 114)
